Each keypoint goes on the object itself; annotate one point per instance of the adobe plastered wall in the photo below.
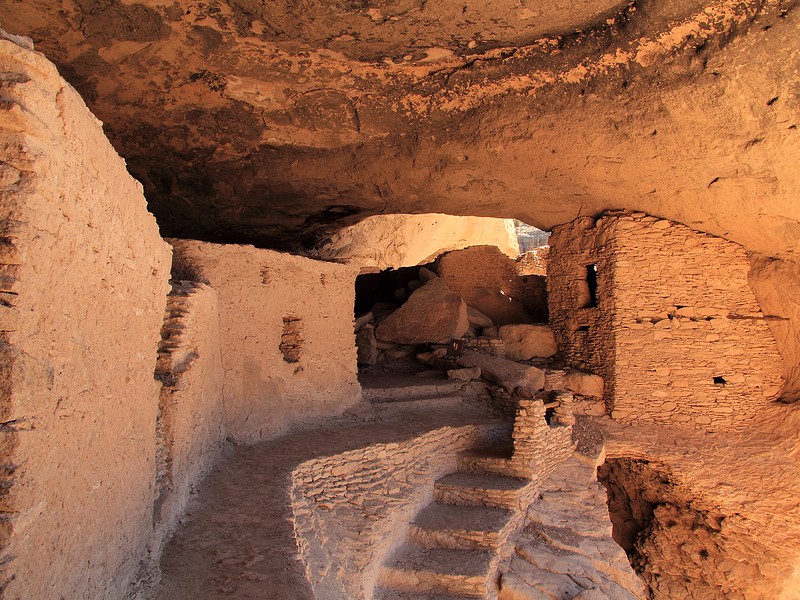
(689, 342)
(286, 334)
(84, 276)
(189, 428)
(393, 241)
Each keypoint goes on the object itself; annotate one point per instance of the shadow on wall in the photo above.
(681, 551)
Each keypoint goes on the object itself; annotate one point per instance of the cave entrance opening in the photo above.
(469, 286)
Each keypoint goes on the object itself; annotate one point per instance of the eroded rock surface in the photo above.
(566, 549)
(392, 241)
(274, 124)
(433, 313)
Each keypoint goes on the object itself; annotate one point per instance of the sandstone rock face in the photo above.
(511, 376)
(85, 280)
(584, 384)
(776, 285)
(681, 548)
(392, 241)
(487, 280)
(297, 131)
(286, 330)
(433, 313)
(523, 342)
(566, 549)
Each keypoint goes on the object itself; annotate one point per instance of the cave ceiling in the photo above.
(275, 122)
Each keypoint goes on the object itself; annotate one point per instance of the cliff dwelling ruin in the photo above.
(273, 326)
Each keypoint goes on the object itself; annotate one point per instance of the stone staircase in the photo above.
(453, 544)
(457, 546)
(391, 395)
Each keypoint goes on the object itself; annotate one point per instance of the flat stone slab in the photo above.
(438, 570)
(482, 482)
(390, 594)
(464, 518)
(443, 561)
(478, 489)
(511, 376)
(379, 388)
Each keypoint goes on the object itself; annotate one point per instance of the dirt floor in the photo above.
(238, 538)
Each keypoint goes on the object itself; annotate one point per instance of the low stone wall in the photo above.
(352, 509)
(189, 431)
(84, 277)
(286, 335)
(540, 447)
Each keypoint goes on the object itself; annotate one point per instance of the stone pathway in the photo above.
(316, 515)
(566, 549)
(241, 536)
(453, 544)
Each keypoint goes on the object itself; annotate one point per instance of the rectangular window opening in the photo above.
(591, 283)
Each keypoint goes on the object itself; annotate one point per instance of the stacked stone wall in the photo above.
(84, 282)
(584, 333)
(533, 262)
(538, 446)
(189, 428)
(692, 343)
(286, 335)
(677, 333)
(352, 509)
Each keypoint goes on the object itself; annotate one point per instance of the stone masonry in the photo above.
(678, 338)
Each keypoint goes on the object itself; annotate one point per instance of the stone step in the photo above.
(438, 571)
(446, 403)
(460, 527)
(393, 389)
(495, 460)
(477, 489)
(390, 594)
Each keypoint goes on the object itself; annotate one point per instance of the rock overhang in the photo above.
(278, 123)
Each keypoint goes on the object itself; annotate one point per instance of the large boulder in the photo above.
(513, 377)
(584, 384)
(487, 280)
(433, 314)
(477, 319)
(524, 342)
(367, 345)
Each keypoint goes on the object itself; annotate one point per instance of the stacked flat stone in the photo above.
(678, 336)
(486, 345)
